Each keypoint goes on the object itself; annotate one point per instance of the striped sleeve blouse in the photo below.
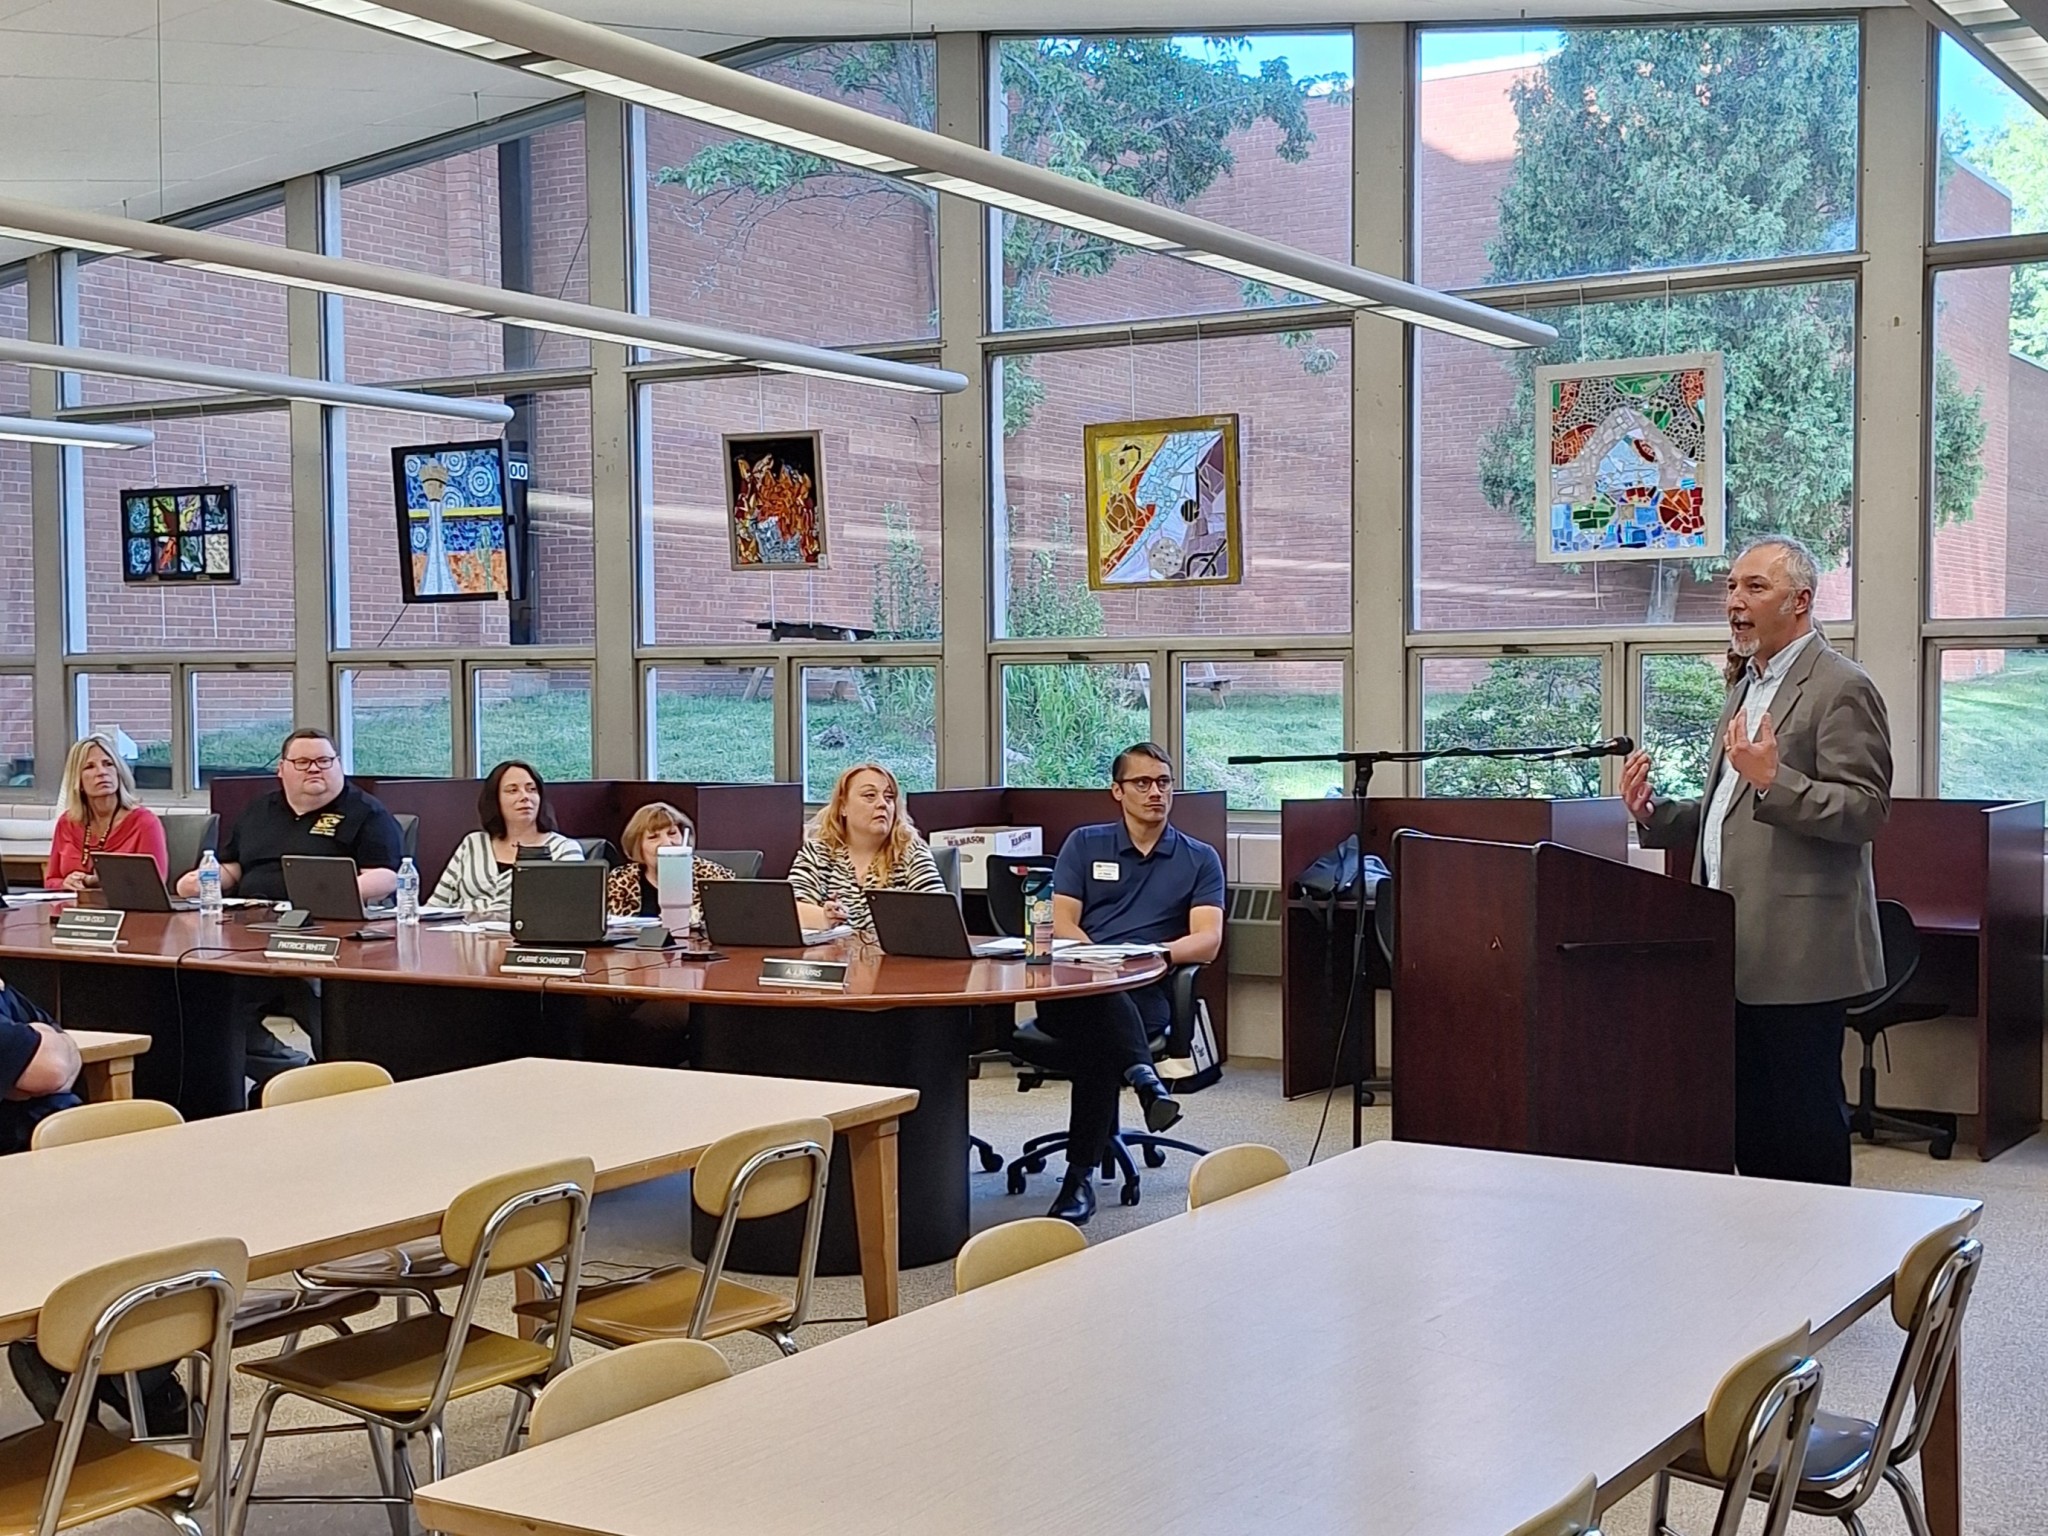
(474, 882)
(821, 874)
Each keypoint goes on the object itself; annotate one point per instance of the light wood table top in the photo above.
(97, 1045)
(433, 955)
(308, 1182)
(1405, 1339)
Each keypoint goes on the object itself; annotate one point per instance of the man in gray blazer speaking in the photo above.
(1798, 785)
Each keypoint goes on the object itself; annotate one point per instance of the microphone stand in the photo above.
(1362, 765)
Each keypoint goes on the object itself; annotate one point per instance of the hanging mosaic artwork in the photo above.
(178, 533)
(1629, 460)
(1162, 503)
(775, 500)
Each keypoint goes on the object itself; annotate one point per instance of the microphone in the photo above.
(1616, 746)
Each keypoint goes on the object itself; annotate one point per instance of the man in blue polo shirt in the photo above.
(1134, 881)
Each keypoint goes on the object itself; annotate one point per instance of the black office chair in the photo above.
(1875, 1012)
(1005, 891)
(598, 850)
(745, 863)
(1383, 917)
(408, 835)
(1046, 1058)
(187, 836)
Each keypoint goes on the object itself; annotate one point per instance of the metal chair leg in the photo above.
(252, 1459)
(1909, 1500)
(522, 1405)
(437, 1451)
(1660, 1506)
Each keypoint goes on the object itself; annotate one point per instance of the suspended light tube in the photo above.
(284, 386)
(586, 57)
(72, 434)
(210, 252)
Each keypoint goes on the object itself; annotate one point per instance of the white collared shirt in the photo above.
(1763, 689)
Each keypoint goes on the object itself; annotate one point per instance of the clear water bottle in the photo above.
(209, 885)
(408, 893)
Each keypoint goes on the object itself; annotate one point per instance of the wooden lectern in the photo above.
(1551, 1001)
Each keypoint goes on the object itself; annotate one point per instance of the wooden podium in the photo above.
(1552, 1001)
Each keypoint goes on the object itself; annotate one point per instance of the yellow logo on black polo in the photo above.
(327, 825)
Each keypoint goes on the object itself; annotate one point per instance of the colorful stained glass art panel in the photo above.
(181, 533)
(1629, 460)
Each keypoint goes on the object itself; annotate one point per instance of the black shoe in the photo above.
(164, 1406)
(1162, 1110)
(1076, 1201)
(40, 1383)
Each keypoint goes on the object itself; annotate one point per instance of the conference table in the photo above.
(318, 1180)
(1407, 1338)
(432, 999)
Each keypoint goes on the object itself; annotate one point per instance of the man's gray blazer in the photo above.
(1797, 860)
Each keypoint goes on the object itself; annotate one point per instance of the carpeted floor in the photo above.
(2006, 1365)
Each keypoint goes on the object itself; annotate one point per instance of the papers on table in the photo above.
(42, 896)
(1075, 952)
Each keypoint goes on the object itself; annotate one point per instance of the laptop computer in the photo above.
(559, 902)
(758, 914)
(928, 924)
(326, 887)
(130, 883)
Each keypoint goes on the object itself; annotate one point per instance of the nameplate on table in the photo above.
(827, 975)
(542, 962)
(88, 925)
(302, 946)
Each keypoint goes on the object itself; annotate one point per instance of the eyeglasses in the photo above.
(1149, 783)
(311, 764)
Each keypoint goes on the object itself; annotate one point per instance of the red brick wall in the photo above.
(250, 451)
(881, 447)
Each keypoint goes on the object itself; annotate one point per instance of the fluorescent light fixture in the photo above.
(210, 252)
(165, 370)
(2005, 39)
(72, 434)
(593, 58)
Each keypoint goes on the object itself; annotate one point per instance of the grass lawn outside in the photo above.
(1994, 732)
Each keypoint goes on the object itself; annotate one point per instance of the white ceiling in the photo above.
(158, 106)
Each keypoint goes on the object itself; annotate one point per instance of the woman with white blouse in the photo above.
(513, 807)
(861, 840)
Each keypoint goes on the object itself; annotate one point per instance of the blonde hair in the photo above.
(72, 802)
(828, 827)
(656, 813)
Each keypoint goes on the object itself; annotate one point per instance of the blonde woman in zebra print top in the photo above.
(862, 839)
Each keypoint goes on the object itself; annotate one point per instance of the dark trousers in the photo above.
(1108, 1037)
(1791, 1118)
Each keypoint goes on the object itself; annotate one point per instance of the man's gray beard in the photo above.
(1744, 645)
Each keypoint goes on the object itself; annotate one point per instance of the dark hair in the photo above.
(307, 733)
(1150, 749)
(492, 814)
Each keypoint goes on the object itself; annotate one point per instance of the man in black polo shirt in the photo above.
(1134, 881)
(314, 811)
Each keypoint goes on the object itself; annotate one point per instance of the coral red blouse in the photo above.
(137, 830)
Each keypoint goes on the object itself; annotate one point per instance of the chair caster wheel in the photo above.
(1940, 1148)
(1016, 1181)
(991, 1160)
(1034, 1165)
(1128, 1195)
(1368, 1098)
(1155, 1157)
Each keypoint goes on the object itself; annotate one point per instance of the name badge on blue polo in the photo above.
(1108, 869)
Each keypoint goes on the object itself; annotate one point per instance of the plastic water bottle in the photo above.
(209, 885)
(408, 893)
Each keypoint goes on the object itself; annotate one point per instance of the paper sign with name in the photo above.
(829, 975)
(542, 962)
(88, 925)
(302, 946)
